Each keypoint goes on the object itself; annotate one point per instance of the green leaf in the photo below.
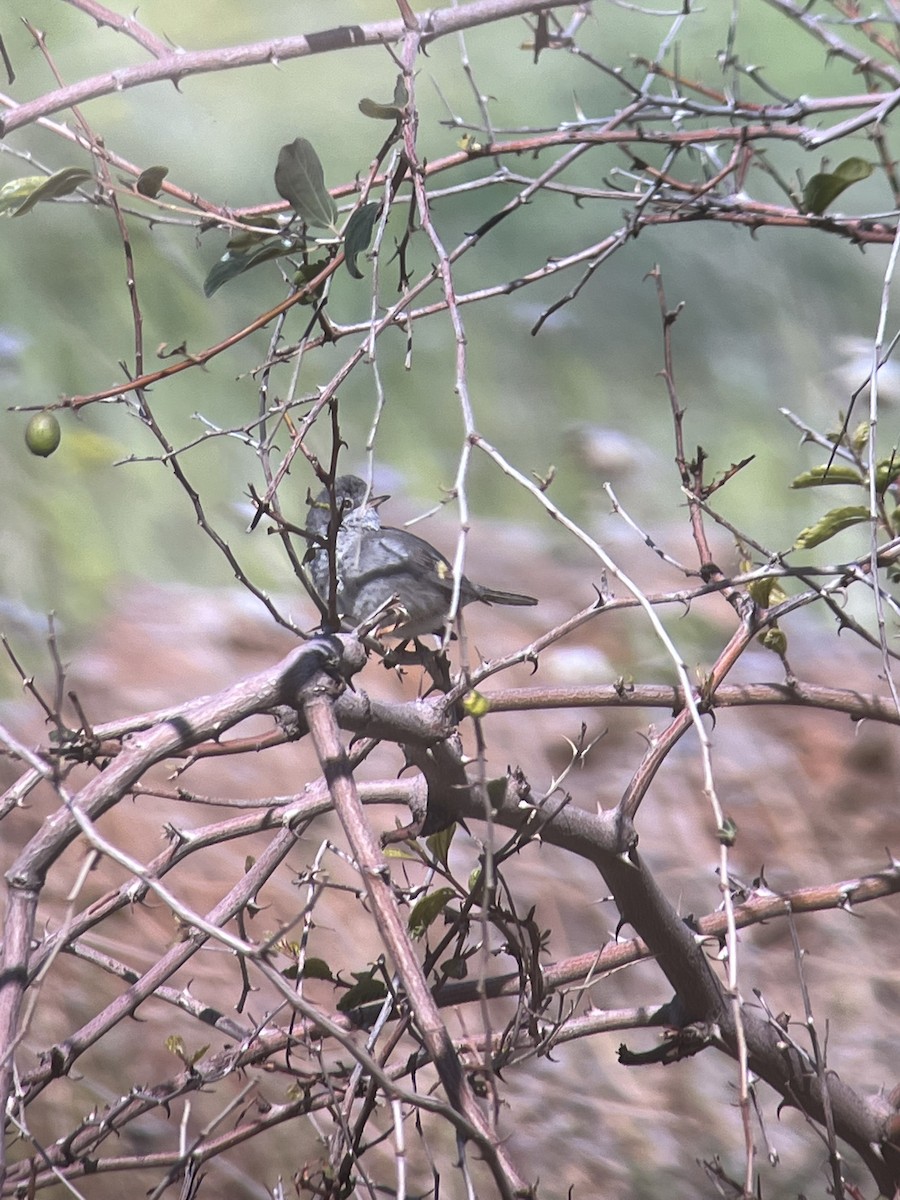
(300, 179)
(887, 471)
(455, 968)
(399, 852)
(835, 473)
(860, 437)
(317, 968)
(439, 844)
(19, 196)
(426, 910)
(230, 265)
(833, 522)
(150, 181)
(767, 592)
(358, 234)
(366, 989)
(401, 95)
(824, 189)
(387, 112)
(13, 193)
(379, 112)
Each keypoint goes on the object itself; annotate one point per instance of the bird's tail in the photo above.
(491, 596)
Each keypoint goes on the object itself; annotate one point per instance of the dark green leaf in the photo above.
(150, 181)
(824, 189)
(832, 523)
(231, 265)
(819, 476)
(358, 234)
(300, 180)
(317, 968)
(428, 909)
(366, 989)
(19, 196)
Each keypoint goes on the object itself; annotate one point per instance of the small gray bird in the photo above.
(383, 570)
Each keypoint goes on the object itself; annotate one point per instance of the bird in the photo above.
(382, 571)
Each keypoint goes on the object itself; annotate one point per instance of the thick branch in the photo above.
(178, 65)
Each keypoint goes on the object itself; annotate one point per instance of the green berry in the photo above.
(43, 434)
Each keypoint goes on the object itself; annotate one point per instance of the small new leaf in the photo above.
(824, 189)
(300, 179)
(727, 831)
(832, 523)
(766, 592)
(860, 437)
(774, 639)
(358, 234)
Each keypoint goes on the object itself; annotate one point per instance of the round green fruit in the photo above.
(43, 434)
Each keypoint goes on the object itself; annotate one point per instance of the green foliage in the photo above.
(176, 1045)
(831, 473)
(317, 968)
(232, 263)
(387, 112)
(300, 179)
(149, 182)
(19, 196)
(767, 592)
(439, 844)
(823, 189)
(833, 522)
(428, 909)
(368, 988)
(358, 234)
